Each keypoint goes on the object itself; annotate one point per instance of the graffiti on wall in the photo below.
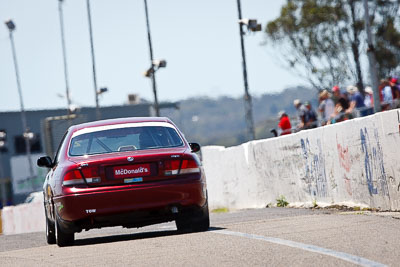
(315, 174)
(345, 163)
(347, 183)
(344, 156)
(373, 164)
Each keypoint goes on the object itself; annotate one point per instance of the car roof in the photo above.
(77, 127)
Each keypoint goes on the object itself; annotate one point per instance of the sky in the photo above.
(198, 38)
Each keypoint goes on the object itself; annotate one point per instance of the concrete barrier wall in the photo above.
(24, 218)
(355, 163)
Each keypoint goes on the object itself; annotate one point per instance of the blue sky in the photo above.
(198, 38)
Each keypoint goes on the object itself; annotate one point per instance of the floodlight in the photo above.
(256, 28)
(251, 24)
(160, 63)
(102, 90)
(28, 135)
(148, 72)
(10, 25)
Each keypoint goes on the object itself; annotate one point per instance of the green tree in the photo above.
(387, 37)
(325, 39)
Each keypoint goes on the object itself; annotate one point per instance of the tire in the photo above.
(198, 223)
(183, 225)
(50, 232)
(202, 223)
(63, 239)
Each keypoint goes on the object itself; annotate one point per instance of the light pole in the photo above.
(252, 26)
(98, 113)
(11, 27)
(102, 90)
(3, 149)
(372, 59)
(3, 183)
(60, 12)
(150, 73)
(153, 75)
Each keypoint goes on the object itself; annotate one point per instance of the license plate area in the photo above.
(131, 171)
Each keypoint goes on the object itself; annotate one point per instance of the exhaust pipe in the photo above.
(174, 210)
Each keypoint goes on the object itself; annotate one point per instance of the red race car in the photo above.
(128, 172)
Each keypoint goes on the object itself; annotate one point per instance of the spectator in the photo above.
(386, 95)
(383, 84)
(339, 98)
(395, 92)
(395, 88)
(301, 113)
(356, 101)
(311, 118)
(336, 94)
(284, 126)
(368, 101)
(341, 105)
(326, 106)
(369, 97)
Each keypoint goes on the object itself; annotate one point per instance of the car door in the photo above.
(51, 180)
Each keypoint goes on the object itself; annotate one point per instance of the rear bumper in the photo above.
(130, 205)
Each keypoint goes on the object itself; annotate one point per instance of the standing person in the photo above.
(369, 97)
(395, 88)
(339, 98)
(386, 95)
(301, 113)
(284, 126)
(336, 94)
(311, 118)
(395, 92)
(356, 101)
(326, 106)
(369, 101)
(382, 84)
(341, 105)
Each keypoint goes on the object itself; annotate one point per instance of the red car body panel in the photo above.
(132, 205)
(128, 198)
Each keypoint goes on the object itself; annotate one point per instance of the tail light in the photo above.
(189, 166)
(74, 177)
(91, 175)
(176, 167)
(171, 167)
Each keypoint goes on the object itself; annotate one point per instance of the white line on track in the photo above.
(340, 255)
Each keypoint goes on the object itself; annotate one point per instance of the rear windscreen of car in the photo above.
(124, 139)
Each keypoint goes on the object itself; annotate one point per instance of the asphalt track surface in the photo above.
(264, 237)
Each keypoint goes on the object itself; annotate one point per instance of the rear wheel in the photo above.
(50, 232)
(198, 223)
(63, 238)
(203, 222)
(183, 225)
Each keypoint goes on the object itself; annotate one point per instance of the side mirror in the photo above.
(45, 162)
(195, 147)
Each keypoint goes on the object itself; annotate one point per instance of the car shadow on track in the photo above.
(135, 236)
